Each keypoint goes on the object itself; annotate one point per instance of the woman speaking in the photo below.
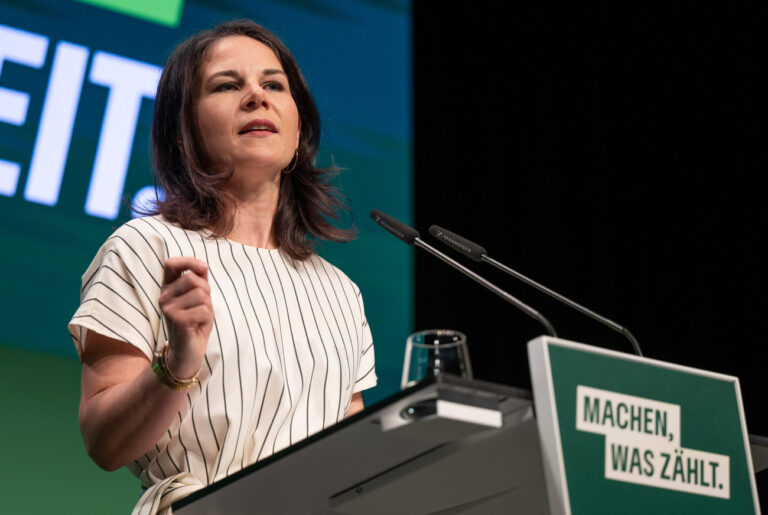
(210, 334)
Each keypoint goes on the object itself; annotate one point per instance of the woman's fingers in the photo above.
(190, 299)
(185, 300)
(175, 267)
(182, 285)
(177, 283)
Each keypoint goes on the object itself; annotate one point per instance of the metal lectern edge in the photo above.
(450, 381)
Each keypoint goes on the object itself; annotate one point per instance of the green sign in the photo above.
(624, 434)
(163, 12)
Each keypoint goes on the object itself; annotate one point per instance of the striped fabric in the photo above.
(289, 346)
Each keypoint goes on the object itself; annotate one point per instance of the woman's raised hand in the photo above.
(185, 299)
(124, 409)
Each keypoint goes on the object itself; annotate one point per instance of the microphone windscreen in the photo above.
(463, 245)
(396, 227)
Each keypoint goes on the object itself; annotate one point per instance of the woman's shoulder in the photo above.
(141, 246)
(327, 268)
(150, 235)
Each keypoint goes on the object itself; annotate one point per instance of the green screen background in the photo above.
(356, 56)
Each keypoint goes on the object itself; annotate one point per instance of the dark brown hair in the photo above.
(194, 195)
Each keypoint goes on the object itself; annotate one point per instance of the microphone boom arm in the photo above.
(495, 289)
(565, 300)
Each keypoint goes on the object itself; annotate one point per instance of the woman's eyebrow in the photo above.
(227, 73)
(273, 71)
(234, 74)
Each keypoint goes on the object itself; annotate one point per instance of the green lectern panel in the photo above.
(624, 434)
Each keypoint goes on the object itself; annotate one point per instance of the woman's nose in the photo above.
(253, 98)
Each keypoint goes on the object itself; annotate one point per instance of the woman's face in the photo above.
(246, 116)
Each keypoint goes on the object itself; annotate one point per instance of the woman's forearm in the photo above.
(124, 408)
(122, 422)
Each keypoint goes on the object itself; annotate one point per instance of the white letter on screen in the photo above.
(55, 134)
(22, 47)
(128, 81)
(145, 200)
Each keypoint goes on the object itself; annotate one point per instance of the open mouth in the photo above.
(262, 126)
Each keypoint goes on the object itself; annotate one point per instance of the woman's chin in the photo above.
(268, 164)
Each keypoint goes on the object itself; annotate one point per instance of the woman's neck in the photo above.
(253, 214)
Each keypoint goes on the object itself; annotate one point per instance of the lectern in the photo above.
(454, 446)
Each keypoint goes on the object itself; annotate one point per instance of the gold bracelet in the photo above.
(164, 374)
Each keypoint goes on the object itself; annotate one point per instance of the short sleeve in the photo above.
(119, 291)
(366, 370)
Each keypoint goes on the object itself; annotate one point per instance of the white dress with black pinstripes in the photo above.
(289, 347)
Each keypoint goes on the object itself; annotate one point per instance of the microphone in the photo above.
(411, 236)
(478, 253)
(396, 227)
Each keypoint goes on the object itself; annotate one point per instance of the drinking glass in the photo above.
(433, 352)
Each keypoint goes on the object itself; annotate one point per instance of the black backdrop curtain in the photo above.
(613, 153)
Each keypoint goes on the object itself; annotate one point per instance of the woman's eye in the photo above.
(227, 86)
(274, 86)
